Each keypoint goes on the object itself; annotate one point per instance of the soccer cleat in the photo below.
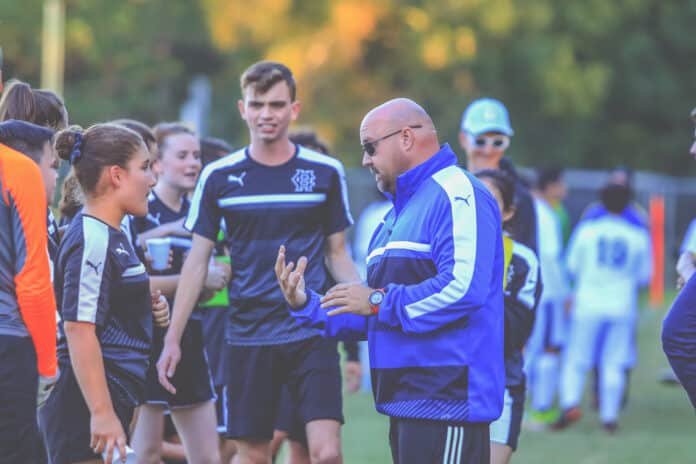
(568, 417)
(610, 427)
(540, 420)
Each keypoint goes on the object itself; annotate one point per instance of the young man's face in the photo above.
(484, 151)
(269, 114)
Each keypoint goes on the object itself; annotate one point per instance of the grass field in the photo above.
(658, 425)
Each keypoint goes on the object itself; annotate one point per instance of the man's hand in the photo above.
(160, 309)
(685, 268)
(352, 376)
(218, 276)
(291, 282)
(348, 298)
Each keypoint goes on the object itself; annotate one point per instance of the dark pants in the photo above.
(415, 441)
(19, 382)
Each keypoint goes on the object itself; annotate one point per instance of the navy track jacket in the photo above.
(436, 345)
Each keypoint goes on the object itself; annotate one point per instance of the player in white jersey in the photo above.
(542, 355)
(610, 259)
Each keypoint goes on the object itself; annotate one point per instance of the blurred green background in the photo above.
(589, 83)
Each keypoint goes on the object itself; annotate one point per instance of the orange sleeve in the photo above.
(35, 297)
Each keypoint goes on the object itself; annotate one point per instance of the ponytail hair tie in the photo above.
(76, 152)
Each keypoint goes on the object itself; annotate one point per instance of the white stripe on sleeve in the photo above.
(96, 243)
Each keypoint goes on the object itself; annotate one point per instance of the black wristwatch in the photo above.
(375, 299)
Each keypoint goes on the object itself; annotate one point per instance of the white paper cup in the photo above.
(116, 459)
(159, 252)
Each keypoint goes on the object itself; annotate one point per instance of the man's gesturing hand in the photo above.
(348, 298)
(291, 281)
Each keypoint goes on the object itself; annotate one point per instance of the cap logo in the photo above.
(489, 114)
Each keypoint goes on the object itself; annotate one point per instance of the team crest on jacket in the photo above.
(304, 180)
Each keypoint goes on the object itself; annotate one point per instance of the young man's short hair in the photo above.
(263, 75)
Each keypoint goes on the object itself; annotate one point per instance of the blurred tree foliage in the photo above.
(589, 83)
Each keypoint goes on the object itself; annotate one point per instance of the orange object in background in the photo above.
(657, 235)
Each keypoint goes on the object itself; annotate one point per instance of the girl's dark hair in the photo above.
(100, 146)
(615, 197)
(142, 129)
(503, 182)
(164, 130)
(25, 137)
(213, 149)
(41, 107)
(309, 139)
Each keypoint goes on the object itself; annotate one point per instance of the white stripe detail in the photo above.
(457, 187)
(225, 162)
(134, 271)
(96, 243)
(500, 428)
(446, 454)
(458, 457)
(310, 155)
(273, 198)
(400, 245)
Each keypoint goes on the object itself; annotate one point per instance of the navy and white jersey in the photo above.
(159, 214)
(53, 241)
(99, 279)
(522, 293)
(296, 204)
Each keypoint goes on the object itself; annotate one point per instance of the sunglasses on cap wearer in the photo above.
(369, 147)
(500, 142)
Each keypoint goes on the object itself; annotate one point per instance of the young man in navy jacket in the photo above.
(432, 309)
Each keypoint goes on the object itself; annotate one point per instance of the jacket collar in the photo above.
(408, 183)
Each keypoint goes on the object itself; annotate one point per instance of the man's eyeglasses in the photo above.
(369, 147)
(500, 142)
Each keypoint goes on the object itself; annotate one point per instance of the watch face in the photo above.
(376, 297)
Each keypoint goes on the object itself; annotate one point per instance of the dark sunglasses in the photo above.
(369, 147)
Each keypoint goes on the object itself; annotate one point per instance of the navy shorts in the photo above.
(289, 420)
(192, 377)
(506, 429)
(310, 369)
(415, 441)
(65, 419)
(19, 382)
(214, 320)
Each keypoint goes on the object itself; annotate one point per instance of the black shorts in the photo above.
(192, 377)
(19, 382)
(289, 420)
(308, 367)
(214, 339)
(415, 441)
(65, 419)
(506, 429)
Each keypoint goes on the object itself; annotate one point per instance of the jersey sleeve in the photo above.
(337, 217)
(521, 301)
(204, 215)
(347, 327)
(32, 280)
(86, 290)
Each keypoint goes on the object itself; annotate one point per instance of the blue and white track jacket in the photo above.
(436, 345)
